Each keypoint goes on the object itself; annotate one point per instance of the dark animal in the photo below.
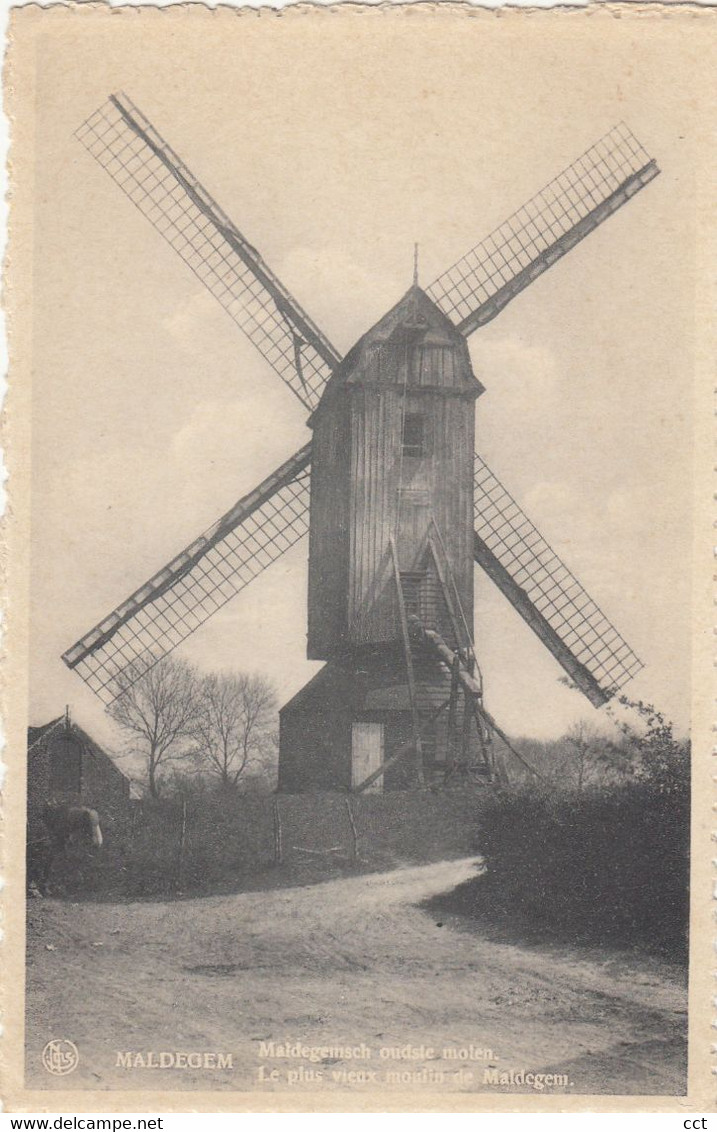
(52, 831)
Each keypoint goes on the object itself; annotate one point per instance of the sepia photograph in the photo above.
(356, 353)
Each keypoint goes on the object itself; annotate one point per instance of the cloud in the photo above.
(523, 373)
(238, 439)
(188, 323)
(344, 295)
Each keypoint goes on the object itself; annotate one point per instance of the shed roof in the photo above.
(35, 735)
(327, 677)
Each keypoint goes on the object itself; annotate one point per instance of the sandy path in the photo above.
(342, 963)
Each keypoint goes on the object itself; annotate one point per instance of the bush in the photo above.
(606, 865)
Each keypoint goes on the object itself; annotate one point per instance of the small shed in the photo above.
(65, 764)
(355, 714)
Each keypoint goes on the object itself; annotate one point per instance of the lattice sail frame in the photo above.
(572, 205)
(551, 588)
(197, 582)
(156, 180)
(263, 525)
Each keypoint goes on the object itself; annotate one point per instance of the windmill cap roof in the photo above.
(415, 316)
(415, 309)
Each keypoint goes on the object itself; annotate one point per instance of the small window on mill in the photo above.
(413, 438)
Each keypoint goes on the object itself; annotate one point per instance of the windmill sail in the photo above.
(265, 523)
(572, 205)
(126, 144)
(197, 582)
(550, 599)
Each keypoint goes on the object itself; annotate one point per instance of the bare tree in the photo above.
(587, 761)
(235, 724)
(158, 711)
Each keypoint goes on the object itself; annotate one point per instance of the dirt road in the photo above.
(351, 963)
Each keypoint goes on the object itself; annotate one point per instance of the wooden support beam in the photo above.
(502, 735)
(482, 728)
(278, 844)
(409, 662)
(446, 654)
(466, 738)
(453, 714)
(473, 688)
(354, 831)
(403, 750)
(470, 662)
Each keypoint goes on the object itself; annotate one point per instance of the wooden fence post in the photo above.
(278, 847)
(354, 831)
(182, 840)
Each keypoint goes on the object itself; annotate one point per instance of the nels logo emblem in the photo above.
(60, 1057)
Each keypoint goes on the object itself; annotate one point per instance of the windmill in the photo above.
(401, 506)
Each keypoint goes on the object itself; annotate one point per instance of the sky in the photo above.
(334, 143)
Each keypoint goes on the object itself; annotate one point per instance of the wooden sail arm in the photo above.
(520, 601)
(488, 310)
(163, 581)
(209, 208)
(604, 178)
